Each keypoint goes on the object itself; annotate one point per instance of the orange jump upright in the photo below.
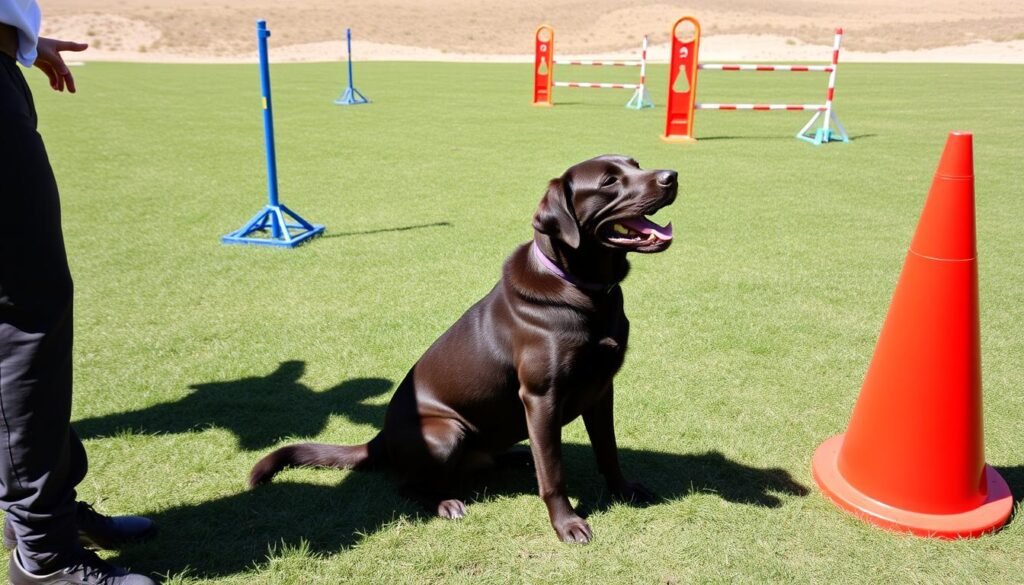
(912, 458)
(543, 65)
(682, 82)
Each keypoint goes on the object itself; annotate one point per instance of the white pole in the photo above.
(832, 81)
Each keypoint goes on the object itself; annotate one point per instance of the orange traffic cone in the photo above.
(912, 459)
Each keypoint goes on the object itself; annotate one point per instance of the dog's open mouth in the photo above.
(639, 234)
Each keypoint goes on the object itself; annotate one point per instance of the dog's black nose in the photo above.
(667, 178)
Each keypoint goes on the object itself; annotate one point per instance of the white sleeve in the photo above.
(23, 15)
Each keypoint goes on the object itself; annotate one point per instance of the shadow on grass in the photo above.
(233, 534)
(260, 411)
(403, 228)
(775, 137)
(1014, 477)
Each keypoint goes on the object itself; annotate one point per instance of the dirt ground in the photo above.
(223, 30)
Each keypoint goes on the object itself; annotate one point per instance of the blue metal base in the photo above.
(351, 97)
(282, 233)
(640, 100)
(824, 135)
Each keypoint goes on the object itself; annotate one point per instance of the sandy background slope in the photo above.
(751, 30)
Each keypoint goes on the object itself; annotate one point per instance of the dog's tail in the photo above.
(362, 456)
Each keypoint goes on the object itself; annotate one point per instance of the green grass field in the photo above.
(751, 335)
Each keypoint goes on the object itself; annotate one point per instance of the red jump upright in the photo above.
(682, 83)
(543, 65)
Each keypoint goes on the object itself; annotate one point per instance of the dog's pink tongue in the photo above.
(646, 226)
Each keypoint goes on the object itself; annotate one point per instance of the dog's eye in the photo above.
(609, 181)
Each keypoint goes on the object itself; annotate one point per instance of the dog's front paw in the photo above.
(633, 492)
(574, 530)
(451, 509)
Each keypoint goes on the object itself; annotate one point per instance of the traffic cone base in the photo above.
(988, 517)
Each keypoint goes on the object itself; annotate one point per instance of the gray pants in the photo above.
(41, 458)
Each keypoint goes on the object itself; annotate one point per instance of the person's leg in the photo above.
(41, 459)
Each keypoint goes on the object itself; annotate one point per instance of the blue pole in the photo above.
(274, 214)
(351, 95)
(348, 36)
(268, 123)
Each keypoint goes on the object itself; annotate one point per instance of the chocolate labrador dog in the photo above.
(538, 351)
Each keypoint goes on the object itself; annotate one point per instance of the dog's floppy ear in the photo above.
(554, 217)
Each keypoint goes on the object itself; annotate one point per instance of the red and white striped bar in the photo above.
(762, 107)
(726, 67)
(602, 63)
(598, 85)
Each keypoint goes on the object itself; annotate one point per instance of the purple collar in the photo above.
(557, 271)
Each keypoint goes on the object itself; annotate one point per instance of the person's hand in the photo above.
(50, 62)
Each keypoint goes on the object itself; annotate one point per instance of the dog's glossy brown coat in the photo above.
(534, 354)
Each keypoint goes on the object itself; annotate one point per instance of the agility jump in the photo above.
(682, 89)
(544, 72)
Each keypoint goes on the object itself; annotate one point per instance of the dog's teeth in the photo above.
(621, 229)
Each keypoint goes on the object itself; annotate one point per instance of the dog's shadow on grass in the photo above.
(234, 533)
(230, 535)
(259, 410)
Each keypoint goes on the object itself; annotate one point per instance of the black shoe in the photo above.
(98, 531)
(111, 532)
(88, 569)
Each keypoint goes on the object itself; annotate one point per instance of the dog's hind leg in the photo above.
(431, 459)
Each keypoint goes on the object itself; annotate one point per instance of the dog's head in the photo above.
(604, 202)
